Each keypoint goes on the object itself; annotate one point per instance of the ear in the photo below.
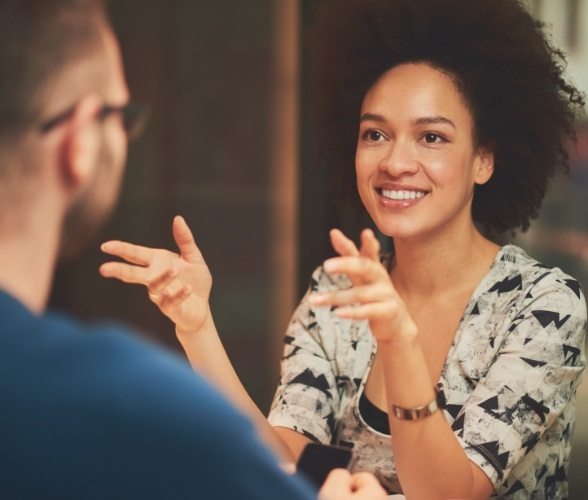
(484, 166)
(81, 142)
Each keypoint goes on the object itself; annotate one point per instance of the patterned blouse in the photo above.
(510, 378)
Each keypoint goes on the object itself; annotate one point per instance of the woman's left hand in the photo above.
(372, 296)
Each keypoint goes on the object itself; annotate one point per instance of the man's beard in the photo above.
(90, 212)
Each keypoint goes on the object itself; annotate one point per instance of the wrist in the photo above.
(422, 411)
(404, 337)
(184, 334)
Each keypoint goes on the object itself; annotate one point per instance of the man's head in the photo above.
(62, 136)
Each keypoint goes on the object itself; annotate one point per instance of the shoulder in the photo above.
(551, 299)
(157, 385)
(533, 278)
(100, 369)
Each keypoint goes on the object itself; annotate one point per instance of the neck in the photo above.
(28, 251)
(441, 263)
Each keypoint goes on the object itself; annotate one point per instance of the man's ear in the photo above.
(484, 166)
(81, 142)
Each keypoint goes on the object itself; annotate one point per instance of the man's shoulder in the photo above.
(102, 367)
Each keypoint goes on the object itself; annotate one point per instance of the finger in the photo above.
(360, 294)
(357, 268)
(342, 244)
(370, 246)
(156, 285)
(374, 310)
(174, 299)
(125, 272)
(185, 240)
(135, 254)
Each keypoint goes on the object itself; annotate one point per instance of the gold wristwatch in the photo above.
(439, 403)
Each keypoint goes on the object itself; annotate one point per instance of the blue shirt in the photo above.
(92, 412)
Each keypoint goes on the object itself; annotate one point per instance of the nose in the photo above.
(400, 159)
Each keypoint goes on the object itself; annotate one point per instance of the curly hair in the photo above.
(502, 62)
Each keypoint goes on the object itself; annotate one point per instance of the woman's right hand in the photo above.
(179, 284)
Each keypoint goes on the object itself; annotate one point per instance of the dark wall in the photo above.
(320, 208)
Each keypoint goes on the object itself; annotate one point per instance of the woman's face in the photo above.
(416, 163)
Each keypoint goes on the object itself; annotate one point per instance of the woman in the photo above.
(450, 366)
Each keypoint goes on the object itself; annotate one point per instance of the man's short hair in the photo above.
(37, 39)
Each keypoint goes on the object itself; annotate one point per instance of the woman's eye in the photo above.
(373, 135)
(432, 138)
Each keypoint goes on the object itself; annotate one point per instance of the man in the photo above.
(90, 412)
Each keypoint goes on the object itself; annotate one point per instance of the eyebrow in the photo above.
(427, 120)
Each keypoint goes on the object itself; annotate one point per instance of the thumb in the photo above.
(185, 240)
(366, 484)
(337, 485)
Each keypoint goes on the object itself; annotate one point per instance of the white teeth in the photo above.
(402, 195)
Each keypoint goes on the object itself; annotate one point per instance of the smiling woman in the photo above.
(457, 114)
(450, 366)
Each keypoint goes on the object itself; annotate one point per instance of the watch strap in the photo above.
(420, 412)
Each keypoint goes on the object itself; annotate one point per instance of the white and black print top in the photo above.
(510, 378)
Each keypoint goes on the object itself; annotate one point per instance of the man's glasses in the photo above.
(134, 118)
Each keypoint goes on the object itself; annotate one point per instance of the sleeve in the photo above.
(531, 385)
(307, 398)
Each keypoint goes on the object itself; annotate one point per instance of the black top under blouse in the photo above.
(373, 416)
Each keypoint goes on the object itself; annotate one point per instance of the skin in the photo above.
(416, 135)
(96, 200)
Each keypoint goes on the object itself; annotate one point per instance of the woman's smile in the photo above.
(400, 197)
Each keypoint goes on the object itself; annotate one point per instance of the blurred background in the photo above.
(230, 146)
